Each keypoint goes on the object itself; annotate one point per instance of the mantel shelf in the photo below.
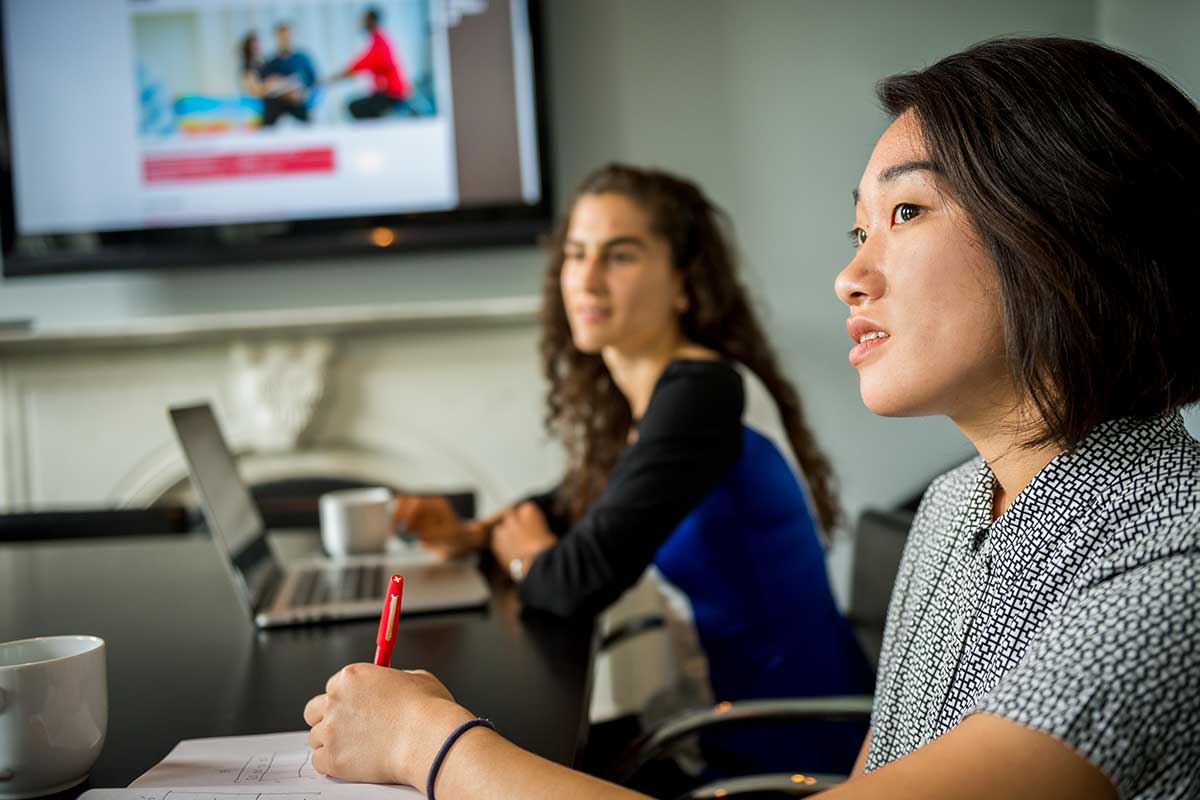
(301, 321)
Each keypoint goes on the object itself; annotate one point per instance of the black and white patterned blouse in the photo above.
(1076, 613)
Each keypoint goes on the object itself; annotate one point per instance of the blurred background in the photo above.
(424, 365)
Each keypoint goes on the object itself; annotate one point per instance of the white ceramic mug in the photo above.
(356, 521)
(53, 713)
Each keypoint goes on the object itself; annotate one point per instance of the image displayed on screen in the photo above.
(213, 71)
(168, 113)
(251, 110)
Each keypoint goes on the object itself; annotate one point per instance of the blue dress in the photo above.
(750, 563)
(710, 496)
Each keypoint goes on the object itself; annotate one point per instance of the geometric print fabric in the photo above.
(1076, 612)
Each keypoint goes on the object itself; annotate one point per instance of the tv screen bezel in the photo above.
(189, 247)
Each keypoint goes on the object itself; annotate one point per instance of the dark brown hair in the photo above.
(585, 407)
(1079, 169)
(247, 50)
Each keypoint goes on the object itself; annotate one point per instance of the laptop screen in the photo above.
(229, 509)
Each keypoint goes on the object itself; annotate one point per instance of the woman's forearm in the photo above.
(483, 765)
(860, 763)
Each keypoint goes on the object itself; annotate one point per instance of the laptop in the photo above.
(313, 589)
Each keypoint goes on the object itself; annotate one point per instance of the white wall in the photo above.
(1163, 33)
(769, 105)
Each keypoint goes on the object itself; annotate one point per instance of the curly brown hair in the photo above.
(585, 408)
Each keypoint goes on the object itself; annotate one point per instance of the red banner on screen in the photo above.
(157, 169)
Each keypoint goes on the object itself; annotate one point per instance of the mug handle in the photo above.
(6, 774)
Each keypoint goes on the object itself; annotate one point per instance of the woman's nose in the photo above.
(859, 281)
(591, 273)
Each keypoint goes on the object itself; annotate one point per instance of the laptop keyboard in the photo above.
(342, 585)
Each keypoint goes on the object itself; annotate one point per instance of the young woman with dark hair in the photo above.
(250, 65)
(686, 452)
(1021, 269)
(1018, 270)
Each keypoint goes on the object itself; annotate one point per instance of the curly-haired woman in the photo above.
(687, 451)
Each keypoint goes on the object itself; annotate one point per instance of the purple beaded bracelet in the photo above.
(446, 745)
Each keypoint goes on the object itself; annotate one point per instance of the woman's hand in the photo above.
(380, 725)
(521, 533)
(434, 522)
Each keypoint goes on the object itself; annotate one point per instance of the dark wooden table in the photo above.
(185, 661)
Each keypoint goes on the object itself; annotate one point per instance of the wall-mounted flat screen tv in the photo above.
(157, 133)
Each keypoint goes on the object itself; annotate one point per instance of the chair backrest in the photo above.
(80, 523)
(879, 541)
(294, 502)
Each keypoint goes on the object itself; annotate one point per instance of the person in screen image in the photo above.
(1022, 267)
(288, 79)
(249, 74)
(379, 60)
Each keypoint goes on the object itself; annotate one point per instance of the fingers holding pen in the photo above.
(379, 725)
(314, 710)
(406, 511)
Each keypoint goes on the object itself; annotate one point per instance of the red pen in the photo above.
(386, 639)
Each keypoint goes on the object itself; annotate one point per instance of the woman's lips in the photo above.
(868, 335)
(861, 351)
(591, 315)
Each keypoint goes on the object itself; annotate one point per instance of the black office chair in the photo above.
(88, 523)
(295, 502)
(878, 546)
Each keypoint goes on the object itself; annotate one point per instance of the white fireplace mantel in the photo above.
(426, 394)
(194, 328)
(422, 396)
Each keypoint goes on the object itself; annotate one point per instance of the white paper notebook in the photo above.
(272, 767)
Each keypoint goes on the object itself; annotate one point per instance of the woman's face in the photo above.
(619, 287)
(923, 295)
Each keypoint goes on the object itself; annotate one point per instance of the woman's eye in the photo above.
(858, 237)
(905, 212)
(622, 258)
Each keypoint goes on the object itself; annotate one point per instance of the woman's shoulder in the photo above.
(695, 390)
(699, 364)
(700, 372)
(1151, 509)
(695, 359)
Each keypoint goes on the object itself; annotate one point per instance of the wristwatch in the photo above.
(516, 569)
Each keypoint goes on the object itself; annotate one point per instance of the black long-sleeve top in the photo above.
(688, 439)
